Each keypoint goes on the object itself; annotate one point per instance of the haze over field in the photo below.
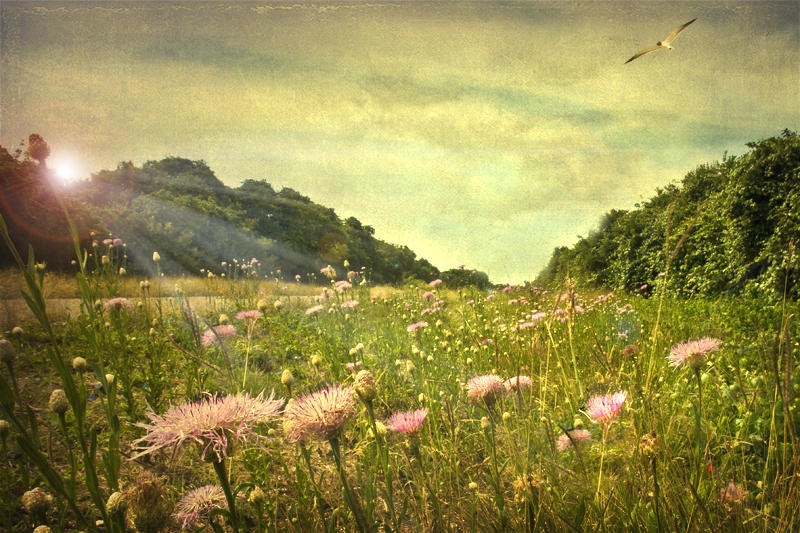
(474, 133)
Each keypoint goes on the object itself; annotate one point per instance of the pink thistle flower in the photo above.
(196, 505)
(118, 303)
(408, 423)
(526, 325)
(604, 409)
(517, 383)
(470, 302)
(107, 241)
(485, 389)
(693, 353)
(223, 331)
(352, 367)
(349, 304)
(507, 288)
(314, 309)
(214, 423)
(490, 298)
(416, 325)
(116, 242)
(428, 295)
(435, 282)
(320, 414)
(565, 440)
(252, 314)
(342, 285)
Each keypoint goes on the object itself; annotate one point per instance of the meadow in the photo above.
(284, 405)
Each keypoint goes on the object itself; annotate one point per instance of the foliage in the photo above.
(740, 218)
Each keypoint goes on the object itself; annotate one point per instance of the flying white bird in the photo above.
(666, 43)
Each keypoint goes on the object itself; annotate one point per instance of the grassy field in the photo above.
(167, 417)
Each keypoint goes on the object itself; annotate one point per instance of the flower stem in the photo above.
(602, 456)
(350, 497)
(219, 468)
(698, 436)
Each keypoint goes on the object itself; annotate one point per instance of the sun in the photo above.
(66, 172)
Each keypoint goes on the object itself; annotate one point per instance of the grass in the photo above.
(661, 464)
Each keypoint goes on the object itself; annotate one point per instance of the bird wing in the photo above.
(676, 31)
(643, 52)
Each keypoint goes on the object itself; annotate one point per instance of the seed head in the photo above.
(116, 503)
(287, 378)
(79, 364)
(37, 502)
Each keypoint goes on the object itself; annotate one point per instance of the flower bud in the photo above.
(365, 386)
(110, 378)
(287, 378)
(116, 503)
(58, 402)
(5, 427)
(277, 304)
(79, 364)
(316, 360)
(37, 502)
(506, 416)
(484, 422)
(42, 529)
(262, 305)
(473, 486)
(257, 496)
(156, 257)
(17, 331)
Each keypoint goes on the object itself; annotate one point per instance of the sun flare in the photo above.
(66, 172)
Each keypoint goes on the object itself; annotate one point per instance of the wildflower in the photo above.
(485, 389)
(118, 303)
(116, 242)
(604, 409)
(517, 383)
(320, 414)
(316, 360)
(649, 445)
(416, 325)
(572, 436)
(472, 486)
(365, 386)
(262, 305)
(42, 529)
(5, 427)
(693, 353)
(342, 285)
(287, 378)
(328, 272)
(428, 295)
(58, 402)
(732, 494)
(484, 422)
(251, 314)
(435, 282)
(349, 304)
(214, 423)
(222, 331)
(314, 309)
(156, 257)
(196, 505)
(408, 423)
(277, 304)
(506, 416)
(352, 367)
(122, 271)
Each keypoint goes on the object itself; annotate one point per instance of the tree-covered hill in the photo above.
(727, 226)
(182, 210)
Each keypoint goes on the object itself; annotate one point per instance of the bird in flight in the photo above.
(666, 43)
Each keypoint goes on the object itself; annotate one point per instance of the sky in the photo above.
(478, 133)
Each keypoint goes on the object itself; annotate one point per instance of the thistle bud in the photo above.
(109, 378)
(104, 260)
(156, 257)
(17, 331)
(262, 305)
(42, 529)
(365, 386)
(277, 304)
(257, 496)
(473, 486)
(116, 503)
(287, 378)
(506, 416)
(79, 364)
(37, 502)
(316, 360)
(5, 427)
(484, 422)
(122, 271)
(58, 402)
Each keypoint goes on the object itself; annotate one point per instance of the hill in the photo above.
(179, 208)
(728, 226)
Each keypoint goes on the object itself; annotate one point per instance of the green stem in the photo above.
(698, 436)
(352, 501)
(384, 460)
(219, 468)
(602, 456)
(499, 501)
(317, 493)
